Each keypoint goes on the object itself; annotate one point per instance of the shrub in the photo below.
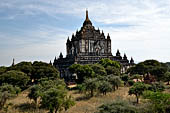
(118, 106)
(130, 82)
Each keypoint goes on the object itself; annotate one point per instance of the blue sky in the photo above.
(38, 29)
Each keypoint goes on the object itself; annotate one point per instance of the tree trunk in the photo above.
(91, 92)
(137, 99)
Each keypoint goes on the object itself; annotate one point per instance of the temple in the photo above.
(88, 46)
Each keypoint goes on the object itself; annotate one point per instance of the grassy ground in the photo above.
(22, 104)
(90, 105)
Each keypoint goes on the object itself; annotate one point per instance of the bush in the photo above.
(81, 88)
(7, 91)
(15, 78)
(157, 86)
(160, 101)
(118, 106)
(115, 81)
(52, 93)
(104, 87)
(131, 82)
(125, 78)
(91, 85)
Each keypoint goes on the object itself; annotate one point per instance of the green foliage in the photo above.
(140, 69)
(3, 69)
(74, 68)
(159, 72)
(98, 69)
(125, 78)
(112, 70)
(160, 101)
(81, 88)
(35, 93)
(7, 91)
(15, 78)
(137, 89)
(103, 84)
(82, 71)
(42, 70)
(156, 86)
(131, 82)
(52, 94)
(168, 65)
(105, 67)
(91, 85)
(104, 87)
(149, 66)
(136, 76)
(25, 67)
(115, 81)
(55, 99)
(117, 107)
(107, 62)
(167, 77)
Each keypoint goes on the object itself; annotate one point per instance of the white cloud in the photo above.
(147, 35)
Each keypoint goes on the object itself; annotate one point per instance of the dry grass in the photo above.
(21, 104)
(91, 105)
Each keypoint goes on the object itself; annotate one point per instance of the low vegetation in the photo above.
(101, 88)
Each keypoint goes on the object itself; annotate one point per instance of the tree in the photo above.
(152, 67)
(156, 86)
(112, 70)
(167, 77)
(3, 69)
(125, 78)
(16, 78)
(74, 68)
(104, 87)
(91, 85)
(137, 89)
(7, 91)
(98, 69)
(82, 71)
(160, 101)
(81, 88)
(55, 99)
(115, 81)
(52, 93)
(35, 93)
(159, 72)
(140, 69)
(25, 67)
(107, 62)
(136, 76)
(43, 70)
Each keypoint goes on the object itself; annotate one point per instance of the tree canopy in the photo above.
(107, 62)
(160, 101)
(52, 93)
(3, 69)
(137, 89)
(155, 68)
(15, 78)
(43, 70)
(82, 71)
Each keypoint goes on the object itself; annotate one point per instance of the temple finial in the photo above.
(50, 62)
(13, 62)
(87, 17)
